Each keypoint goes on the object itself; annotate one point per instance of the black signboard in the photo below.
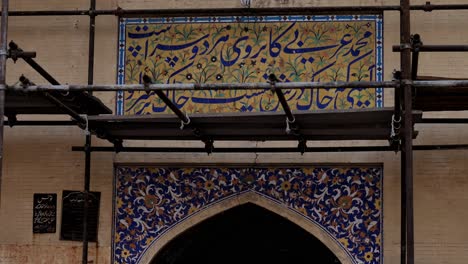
(72, 215)
(44, 212)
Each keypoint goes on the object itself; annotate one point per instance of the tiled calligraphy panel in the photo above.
(247, 50)
(345, 202)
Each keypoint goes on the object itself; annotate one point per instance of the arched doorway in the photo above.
(245, 234)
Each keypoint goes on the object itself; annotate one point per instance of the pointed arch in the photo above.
(259, 200)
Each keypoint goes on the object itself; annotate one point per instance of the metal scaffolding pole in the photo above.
(415, 45)
(207, 86)
(29, 60)
(185, 120)
(3, 59)
(407, 231)
(407, 228)
(428, 7)
(291, 125)
(270, 150)
(87, 176)
(242, 86)
(58, 103)
(435, 48)
(181, 115)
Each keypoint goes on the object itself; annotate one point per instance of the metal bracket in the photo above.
(12, 120)
(272, 79)
(428, 7)
(406, 82)
(302, 146)
(146, 83)
(14, 52)
(118, 145)
(209, 146)
(396, 75)
(416, 42)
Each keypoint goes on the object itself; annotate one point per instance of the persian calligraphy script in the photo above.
(44, 212)
(247, 52)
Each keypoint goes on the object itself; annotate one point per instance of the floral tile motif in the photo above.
(345, 202)
(246, 50)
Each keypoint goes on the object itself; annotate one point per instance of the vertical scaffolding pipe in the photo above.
(3, 59)
(87, 180)
(407, 234)
(92, 34)
(415, 56)
(86, 198)
(403, 205)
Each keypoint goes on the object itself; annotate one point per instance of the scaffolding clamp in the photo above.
(15, 53)
(428, 7)
(302, 146)
(146, 84)
(209, 146)
(416, 42)
(405, 46)
(118, 145)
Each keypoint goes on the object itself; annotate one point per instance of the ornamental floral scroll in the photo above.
(345, 202)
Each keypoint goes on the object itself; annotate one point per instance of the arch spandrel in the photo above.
(249, 197)
(339, 206)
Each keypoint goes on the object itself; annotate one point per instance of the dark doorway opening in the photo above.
(245, 234)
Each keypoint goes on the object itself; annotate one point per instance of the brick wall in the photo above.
(40, 159)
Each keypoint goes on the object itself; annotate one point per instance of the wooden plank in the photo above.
(233, 117)
(257, 137)
(220, 131)
(325, 125)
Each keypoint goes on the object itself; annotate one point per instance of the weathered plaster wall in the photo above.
(39, 159)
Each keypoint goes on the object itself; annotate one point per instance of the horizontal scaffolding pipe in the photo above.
(205, 86)
(269, 150)
(240, 86)
(50, 13)
(440, 84)
(40, 123)
(236, 11)
(436, 48)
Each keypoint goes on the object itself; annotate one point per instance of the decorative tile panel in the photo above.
(246, 50)
(345, 202)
